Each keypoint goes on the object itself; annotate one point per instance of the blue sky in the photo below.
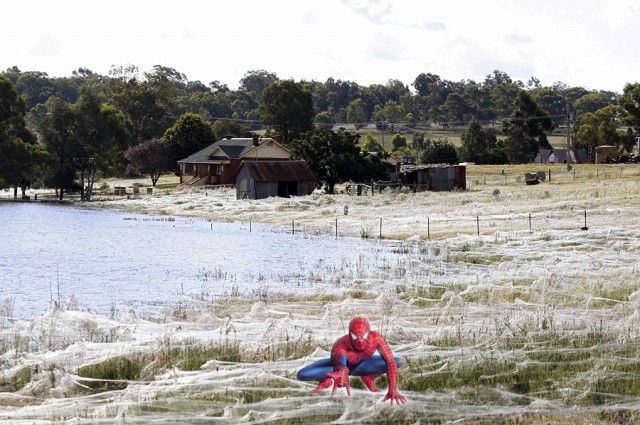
(584, 43)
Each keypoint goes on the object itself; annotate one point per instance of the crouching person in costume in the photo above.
(353, 354)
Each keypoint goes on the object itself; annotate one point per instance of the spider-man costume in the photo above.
(352, 354)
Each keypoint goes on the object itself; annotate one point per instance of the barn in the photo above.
(262, 179)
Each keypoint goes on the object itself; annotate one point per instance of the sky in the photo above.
(586, 43)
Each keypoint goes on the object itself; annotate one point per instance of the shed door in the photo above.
(286, 189)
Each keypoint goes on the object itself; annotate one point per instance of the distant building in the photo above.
(560, 156)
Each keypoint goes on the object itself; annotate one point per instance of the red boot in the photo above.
(322, 385)
(369, 382)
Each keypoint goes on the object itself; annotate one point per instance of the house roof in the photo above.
(224, 149)
(560, 155)
(543, 155)
(269, 171)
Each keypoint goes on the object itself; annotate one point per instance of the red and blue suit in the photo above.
(353, 354)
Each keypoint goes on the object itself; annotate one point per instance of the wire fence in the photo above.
(434, 226)
(441, 227)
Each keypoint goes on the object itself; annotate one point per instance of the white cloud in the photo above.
(367, 41)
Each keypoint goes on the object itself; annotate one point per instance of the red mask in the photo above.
(359, 332)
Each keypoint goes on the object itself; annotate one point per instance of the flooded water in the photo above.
(109, 261)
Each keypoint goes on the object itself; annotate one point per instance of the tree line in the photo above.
(65, 132)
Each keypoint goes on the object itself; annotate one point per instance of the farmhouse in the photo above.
(218, 164)
(263, 179)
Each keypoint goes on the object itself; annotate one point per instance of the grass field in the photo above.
(530, 317)
(557, 139)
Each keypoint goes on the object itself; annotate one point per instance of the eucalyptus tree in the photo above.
(85, 140)
(504, 92)
(287, 108)
(142, 106)
(335, 157)
(357, 112)
(36, 87)
(101, 138)
(474, 143)
(630, 103)
(551, 101)
(591, 102)
(57, 131)
(21, 158)
(256, 81)
(526, 129)
(189, 134)
(598, 128)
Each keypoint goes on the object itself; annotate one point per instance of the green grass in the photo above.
(112, 374)
(17, 381)
(539, 366)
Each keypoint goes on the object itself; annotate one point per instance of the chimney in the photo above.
(256, 140)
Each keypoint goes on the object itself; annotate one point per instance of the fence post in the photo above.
(380, 227)
(529, 221)
(428, 229)
(249, 227)
(293, 227)
(585, 221)
(478, 224)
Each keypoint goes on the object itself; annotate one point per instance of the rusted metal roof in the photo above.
(271, 171)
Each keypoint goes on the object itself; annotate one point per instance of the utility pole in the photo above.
(568, 115)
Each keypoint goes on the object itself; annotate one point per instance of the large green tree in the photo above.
(287, 108)
(141, 103)
(475, 143)
(21, 157)
(357, 112)
(101, 138)
(598, 128)
(526, 129)
(439, 151)
(83, 140)
(57, 130)
(256, 81)
(335, 157)
(189, 134)
(552, 102)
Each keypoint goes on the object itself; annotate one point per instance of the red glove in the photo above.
(340, 379)
(392, 395)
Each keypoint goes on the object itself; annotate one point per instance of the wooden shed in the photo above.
(606, 154)
(437, 177)
(262, 179)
